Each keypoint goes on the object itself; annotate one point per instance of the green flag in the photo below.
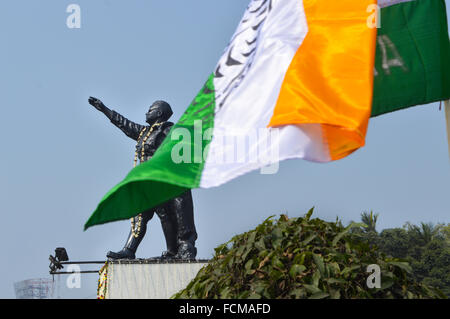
(412, 65)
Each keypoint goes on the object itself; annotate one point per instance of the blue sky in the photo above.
(60, 156)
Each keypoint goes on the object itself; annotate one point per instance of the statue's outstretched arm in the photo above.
(130, 128)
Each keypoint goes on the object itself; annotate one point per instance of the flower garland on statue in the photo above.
(137, 231)
(103, 272)
(102, 281)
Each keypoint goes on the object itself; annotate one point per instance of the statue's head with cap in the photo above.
(159, 111)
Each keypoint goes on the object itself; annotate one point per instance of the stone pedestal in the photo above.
(149, 278)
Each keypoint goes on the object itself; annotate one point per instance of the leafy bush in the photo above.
(302, 258)
(426, 247)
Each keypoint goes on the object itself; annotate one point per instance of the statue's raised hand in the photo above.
(97, 104)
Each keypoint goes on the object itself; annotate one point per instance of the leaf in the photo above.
(345, 231)
(240, 250)
(208, 288)
(308, 240)
(298, 293)
(260, 245)
(251, 238)
(316, 278)
(386, 283)
(275, 274)
(221, 250)
(331, 270)
(312, 289)
(277, 237)
(296, 270)
(247, 251)
(250, 272)
(349, 269)
(308, 215)
(336, 281)
(276, 262)
(258, 287)
(335, 294)
(263, 262)
(300, 258)
(244, 295)
(248, 264)
(225, 293)
(277, 233)
(402, 265)
(319, 295)
(318, 260)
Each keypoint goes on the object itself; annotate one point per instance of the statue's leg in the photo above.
(183, 208)
(169, 227)
(134, 238)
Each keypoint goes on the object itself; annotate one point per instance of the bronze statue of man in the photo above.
(176, 215)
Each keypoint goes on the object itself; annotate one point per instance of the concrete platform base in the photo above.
(146, 278)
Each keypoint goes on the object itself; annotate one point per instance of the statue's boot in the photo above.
(186, 251)
(187, 234)
(133, 241)
(167, 255)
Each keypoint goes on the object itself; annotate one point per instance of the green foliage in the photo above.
(394, 242)
(425, 247)
(370, 219)
(302, 258)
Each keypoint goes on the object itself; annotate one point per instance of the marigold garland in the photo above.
(102, 281)
(137, 230)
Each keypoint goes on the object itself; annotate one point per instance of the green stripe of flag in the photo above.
(412, 56)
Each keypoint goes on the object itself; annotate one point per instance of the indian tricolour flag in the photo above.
(295, 81)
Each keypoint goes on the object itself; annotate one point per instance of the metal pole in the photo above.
(81, 262)
(74, 272)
